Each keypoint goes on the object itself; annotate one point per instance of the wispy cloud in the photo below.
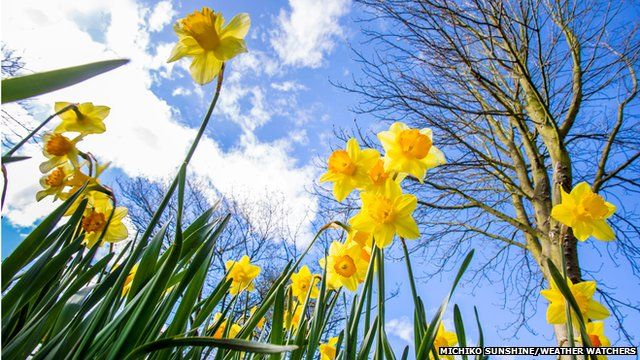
(402, 328)
(308, 31)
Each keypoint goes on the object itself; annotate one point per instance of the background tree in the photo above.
(525, 98)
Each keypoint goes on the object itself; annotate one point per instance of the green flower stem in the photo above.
(35, 131)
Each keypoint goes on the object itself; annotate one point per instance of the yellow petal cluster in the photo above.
(203, 37)
(409, 150)
(345, 266)
(387, 213)
(328, 349)
(85, 118)
(241, 273)
(302, 281)
(444, 338)
(583, 293)
(585, 212)
(348, 169)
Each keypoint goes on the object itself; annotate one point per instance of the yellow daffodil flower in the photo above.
(222, 328)
(387, 213)
(300, 283)
(595, 330)
(129, 280)
(59, 149)
(344, 266)
(242, 273)
(328, 349)
(202, 37)
(348, 169)
(55, 182)
(292, 319)
(583, 293)
(444, 338)
(86, 119)
(409, 150)
(95, 220)
(586, 213)
(260, 323)
(364, 240)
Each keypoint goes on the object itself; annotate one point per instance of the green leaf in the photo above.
(34, 243)
(228, 344)
(27, 86)
(10, 159)
(457, 319)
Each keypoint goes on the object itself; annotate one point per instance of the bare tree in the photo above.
(526, 98)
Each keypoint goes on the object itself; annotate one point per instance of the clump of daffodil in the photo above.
(583, 293)
(203, 37)
(129, 280)
(345, 266)
(328, 349)
(409, 150)
(444, 338)
(348, 169)
(55, 182)
(242, 274)
(222, 328)
(585, 212)
(85, 118)
(96, 219)
(59, 149)
(387, 213)
(301, 282)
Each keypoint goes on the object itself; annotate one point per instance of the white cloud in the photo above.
(162, 15)
(144, 134)
(308, 31)
(180, 91)
(402, 328)
(287, 86)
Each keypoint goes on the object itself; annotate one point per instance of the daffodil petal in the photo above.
(238, 27)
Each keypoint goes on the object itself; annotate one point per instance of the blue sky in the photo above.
(276, 115)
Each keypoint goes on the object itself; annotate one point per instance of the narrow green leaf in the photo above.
(27, 86)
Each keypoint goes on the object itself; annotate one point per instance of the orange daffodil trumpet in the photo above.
(208, 42)
(583, 293)
(585, 212)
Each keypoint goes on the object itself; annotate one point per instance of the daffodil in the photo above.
(129, 280)
(378, 176)
(260, 323)
(242, 274)
(328, 349)
(86, 118)
(344, 266)
(387, 213)
(583, 293)
(301, 282)
(293, 318)
(409, 150)
(348, 169)
(202, 37)
(96, 219)
(55, 182)
(362, 239)
(595, 331)
(444, 338)
(222, 328)
(59, 149)
(585, 212)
